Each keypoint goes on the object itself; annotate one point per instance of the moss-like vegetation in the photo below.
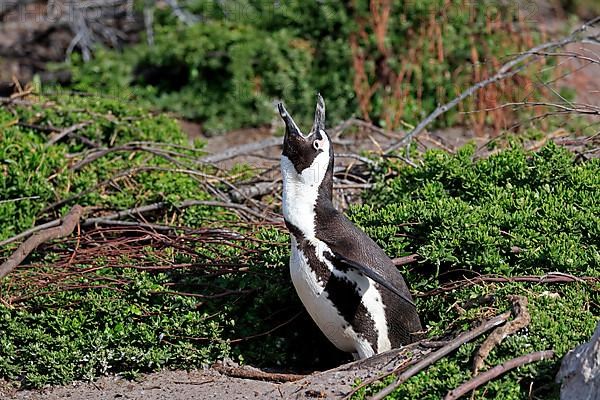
(515, 213)
(45, 174)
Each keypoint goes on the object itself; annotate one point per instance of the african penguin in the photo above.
(347, 283)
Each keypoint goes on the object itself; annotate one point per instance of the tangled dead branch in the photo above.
(126, 247)
(509, 69)
(116, 218)
(69, 222)
(242, 150)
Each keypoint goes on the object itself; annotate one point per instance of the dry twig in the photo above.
(495, 372)
(551, 277)
(66, 132)
(405, 260)
(246, 372)
(442, 352)
(400, 367)
(115, 218)
(522, 319)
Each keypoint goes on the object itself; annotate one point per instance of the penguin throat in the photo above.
(301, 193)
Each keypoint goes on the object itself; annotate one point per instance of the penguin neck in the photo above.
(302, 201)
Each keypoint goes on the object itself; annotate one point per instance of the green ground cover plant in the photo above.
(78, 310)
(69, 318)
(71, 335)
(513, 214)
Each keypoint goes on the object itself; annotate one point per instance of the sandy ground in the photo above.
(211, 384)
(175, 385)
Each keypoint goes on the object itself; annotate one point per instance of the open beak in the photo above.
(291, 129)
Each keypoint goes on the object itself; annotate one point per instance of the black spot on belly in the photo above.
(343, 293)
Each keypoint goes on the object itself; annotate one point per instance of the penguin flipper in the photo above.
(376, 277)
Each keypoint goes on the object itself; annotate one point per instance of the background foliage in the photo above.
(389, 62)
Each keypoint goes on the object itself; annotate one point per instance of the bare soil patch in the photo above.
(211, 384)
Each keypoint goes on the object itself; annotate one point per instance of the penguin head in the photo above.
(307, 159)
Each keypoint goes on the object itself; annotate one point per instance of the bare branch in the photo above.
(337, 130)
(69, 222)
(115, 218)
(31, 231)
(568, 107)
(442, 352)
(495, 372)
(184, 16)
(19, 199)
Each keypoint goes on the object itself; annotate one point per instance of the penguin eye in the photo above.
(316, 145)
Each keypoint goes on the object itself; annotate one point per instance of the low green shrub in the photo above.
(514, 213)
(83, 334)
